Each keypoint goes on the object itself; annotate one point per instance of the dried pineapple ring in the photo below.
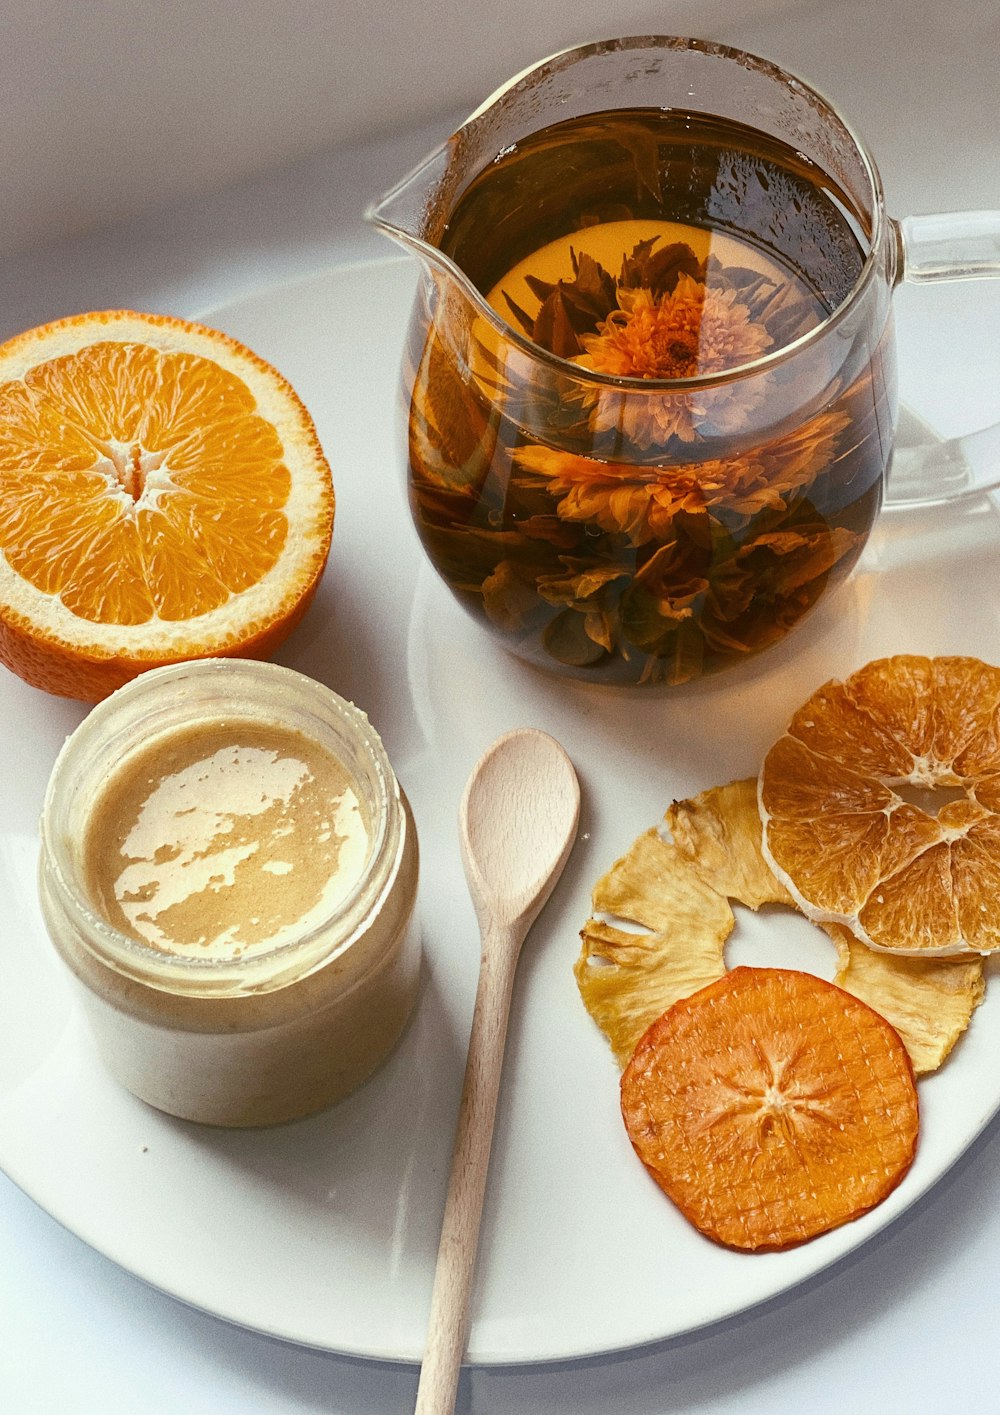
(841, 834)
(676, 895)
(929, 1001)
(627, 978)
(771, 1106)
(719, 832)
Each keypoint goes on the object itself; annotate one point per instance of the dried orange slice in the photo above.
(163, 496)
(881, 805)
(771, 1106)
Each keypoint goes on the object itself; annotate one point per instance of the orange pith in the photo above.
(839, 831)
(771, 1106)
(162, 496)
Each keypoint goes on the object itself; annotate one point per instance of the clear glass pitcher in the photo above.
(649, 384)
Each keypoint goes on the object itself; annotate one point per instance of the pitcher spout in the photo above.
(412, 212)
(415, 211)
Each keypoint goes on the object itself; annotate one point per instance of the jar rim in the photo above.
(327, 937)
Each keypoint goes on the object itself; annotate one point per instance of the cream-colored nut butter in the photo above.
(229, 869)
(224, 839)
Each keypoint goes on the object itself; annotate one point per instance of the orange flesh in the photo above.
(137, 484)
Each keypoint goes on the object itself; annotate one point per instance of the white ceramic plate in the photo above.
(324, 1232)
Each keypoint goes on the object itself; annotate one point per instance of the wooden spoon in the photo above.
(518, 822)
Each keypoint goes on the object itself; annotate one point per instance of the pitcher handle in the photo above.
(958, 245)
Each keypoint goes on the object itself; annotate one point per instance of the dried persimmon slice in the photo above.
(771, 1106)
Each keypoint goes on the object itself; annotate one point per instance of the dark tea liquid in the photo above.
(604, 525)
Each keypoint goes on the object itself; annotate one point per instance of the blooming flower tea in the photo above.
(620, 473)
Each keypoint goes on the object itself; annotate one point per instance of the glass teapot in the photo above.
(649, 382)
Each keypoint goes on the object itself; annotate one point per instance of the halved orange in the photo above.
(771, 1106)
(163, 496)
(881, 805)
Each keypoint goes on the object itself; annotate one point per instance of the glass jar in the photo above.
(277, 1032)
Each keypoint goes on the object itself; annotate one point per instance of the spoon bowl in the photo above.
(518, 819)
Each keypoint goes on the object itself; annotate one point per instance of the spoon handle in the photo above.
(449, 1319)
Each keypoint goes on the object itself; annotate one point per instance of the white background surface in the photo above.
(135, 136)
